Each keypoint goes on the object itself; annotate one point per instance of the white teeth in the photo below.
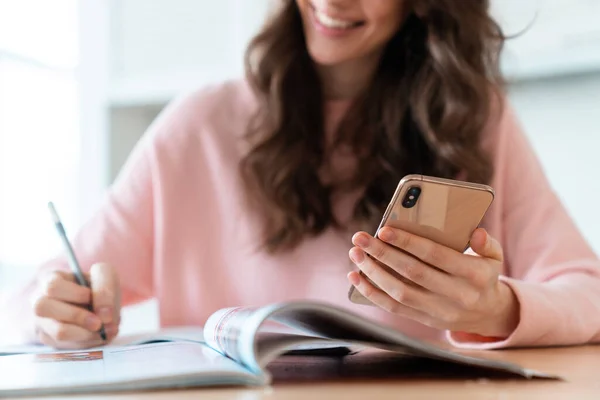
(329, 22)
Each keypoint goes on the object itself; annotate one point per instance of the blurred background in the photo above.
(81, 80)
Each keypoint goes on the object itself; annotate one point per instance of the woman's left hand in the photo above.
(461, 294)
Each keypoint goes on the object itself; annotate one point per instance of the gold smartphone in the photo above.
(443, 210)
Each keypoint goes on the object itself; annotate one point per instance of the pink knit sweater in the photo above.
(175, 226)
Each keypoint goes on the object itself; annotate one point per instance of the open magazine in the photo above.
(235, 347)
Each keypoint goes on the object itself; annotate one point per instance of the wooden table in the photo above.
(579, 366)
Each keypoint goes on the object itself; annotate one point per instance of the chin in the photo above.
(327, 58)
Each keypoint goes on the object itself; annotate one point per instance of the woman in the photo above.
(249, 192)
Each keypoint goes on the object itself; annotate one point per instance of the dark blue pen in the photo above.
(71, 257)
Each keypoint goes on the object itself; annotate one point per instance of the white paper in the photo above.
(132, 365)
(174, 334)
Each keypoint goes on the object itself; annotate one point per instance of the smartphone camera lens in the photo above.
(411, 197)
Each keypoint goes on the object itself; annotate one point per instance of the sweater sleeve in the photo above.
(120, 233)
(550, 267)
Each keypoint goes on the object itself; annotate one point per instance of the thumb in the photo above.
(485, 245)
(105, 292)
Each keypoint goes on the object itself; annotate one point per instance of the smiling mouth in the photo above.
(334, 23)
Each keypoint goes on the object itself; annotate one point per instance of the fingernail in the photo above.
(361, 241)
(357, 256)
(105, 314)
(92, 322)
(111, 330)
(353, 278)
(386, 235)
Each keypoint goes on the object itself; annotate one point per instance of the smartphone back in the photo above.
(442, 210)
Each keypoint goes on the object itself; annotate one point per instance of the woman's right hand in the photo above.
(60, 307)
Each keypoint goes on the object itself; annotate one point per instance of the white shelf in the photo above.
(553, 37)
(567, 62)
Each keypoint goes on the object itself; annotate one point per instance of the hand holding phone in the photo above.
(415, 265)
(442, 210)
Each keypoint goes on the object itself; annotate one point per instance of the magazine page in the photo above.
(236, 332)
(149, 366)
(190, 334)
(193, 334)
(247, 336)
(223, 328)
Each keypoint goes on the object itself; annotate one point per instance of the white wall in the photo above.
(562, 119)
(161, 47)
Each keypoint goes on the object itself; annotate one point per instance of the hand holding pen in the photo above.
(73, 309)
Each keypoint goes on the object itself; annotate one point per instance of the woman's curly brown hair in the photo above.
(424, 112)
